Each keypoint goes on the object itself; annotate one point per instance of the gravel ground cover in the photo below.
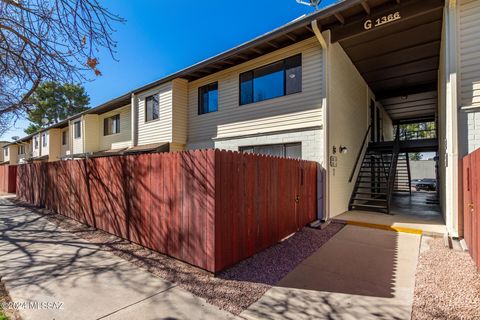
(8, 314)
(234, 289)
(447, 284)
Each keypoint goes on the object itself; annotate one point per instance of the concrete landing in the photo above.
(361, 273)
(42, 264)
(411, 212)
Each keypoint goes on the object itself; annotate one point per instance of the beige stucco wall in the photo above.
(119, 140)
(12, 156)
(348, 101)
(91, 132)
(299, 110)
(180, 113)
(54, 144)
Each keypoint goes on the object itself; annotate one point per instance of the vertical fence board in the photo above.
(209, 208)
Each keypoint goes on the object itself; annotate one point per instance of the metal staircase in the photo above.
(376, 178)
(402, 176)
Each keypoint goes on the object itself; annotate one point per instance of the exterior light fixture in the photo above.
(343, 149)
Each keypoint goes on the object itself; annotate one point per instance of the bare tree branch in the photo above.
(49, 40)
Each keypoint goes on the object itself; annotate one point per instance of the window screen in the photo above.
(289, 150)
(111, 125)
(274, 80)
(208, 98)
(77, 129)
(152, 108)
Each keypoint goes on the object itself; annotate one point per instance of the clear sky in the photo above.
(164, 36)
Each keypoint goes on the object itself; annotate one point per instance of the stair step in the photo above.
(369, 206)
(370, 199)
(372, 193)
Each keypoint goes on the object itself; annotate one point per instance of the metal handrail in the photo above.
(359, 155)
(392, 171)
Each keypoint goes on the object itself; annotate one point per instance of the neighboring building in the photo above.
(315, 89)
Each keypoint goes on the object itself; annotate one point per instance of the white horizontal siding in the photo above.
(294, 111)
(469, 48)
(118, 140)
(159, 130)
(77, 143)
(36, 151)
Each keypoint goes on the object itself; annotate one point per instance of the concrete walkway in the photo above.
(40, 263)
(361, 273)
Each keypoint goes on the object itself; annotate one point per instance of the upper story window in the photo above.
(152, 108)
(208, 98)
(6, 152)
(64, 138)
(111, 125)
(274, 80)
(35, 142)
(21, 149)
(77, 130)
(44, 139)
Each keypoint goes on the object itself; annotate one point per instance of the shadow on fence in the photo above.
(208, 208)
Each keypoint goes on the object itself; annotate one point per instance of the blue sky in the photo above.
(161, 37)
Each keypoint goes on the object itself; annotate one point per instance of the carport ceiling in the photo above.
(399, 60)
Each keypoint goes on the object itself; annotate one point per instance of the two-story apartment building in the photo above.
(319, 88)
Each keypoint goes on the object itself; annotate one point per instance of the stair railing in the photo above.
(360, 152)
(392, 171)
(409, 175)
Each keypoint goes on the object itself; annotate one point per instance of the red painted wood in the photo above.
(471, 204)
(209, 208)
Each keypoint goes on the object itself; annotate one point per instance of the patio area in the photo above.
(419, 211)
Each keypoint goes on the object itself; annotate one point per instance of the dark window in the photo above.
(64, 138)
(208, 98)
(44, 139)
(289, 150)
(274, 80)
(35, 141)
(111, 125)
(77, 130)
(152, 108)
(6, 152)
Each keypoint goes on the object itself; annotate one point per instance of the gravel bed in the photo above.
(11, 314)
(233, 289)
(447, 284)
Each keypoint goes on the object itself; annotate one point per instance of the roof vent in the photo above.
(310, 3)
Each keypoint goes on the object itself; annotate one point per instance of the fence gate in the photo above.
(471, 204)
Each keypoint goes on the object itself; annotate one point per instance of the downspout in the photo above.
(323, 203)
(453, 163)
(134, 122)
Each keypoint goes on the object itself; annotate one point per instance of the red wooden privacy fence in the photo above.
(209, 208)
(471, 204)
(8, 178)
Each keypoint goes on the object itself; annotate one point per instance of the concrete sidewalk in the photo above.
(40, 263)
(361, 273)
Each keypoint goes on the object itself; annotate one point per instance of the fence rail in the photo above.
(209, 208)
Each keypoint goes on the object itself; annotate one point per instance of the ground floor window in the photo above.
(288, 150)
